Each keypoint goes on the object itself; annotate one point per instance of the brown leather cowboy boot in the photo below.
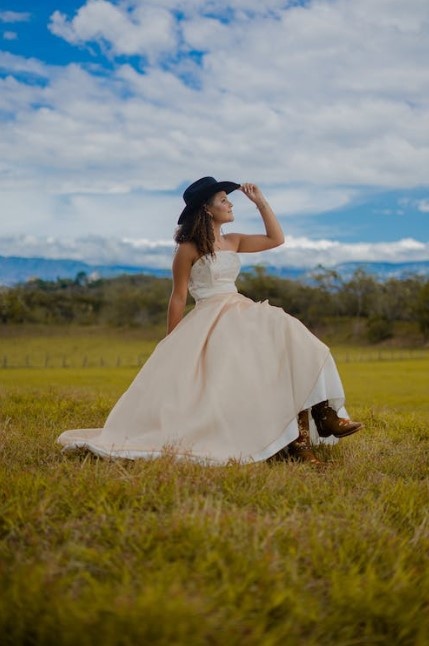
(300, 449)
(328, 423)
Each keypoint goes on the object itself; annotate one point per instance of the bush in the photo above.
(379, 328)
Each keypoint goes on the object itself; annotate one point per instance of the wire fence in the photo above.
(78, 361)
(71, 361)
(367, 356)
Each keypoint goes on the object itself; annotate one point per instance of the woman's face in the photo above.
(220, 208)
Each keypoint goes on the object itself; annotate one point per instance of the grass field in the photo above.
(163, 552)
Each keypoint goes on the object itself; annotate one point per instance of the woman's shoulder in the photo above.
(186, 251)
(232, 241)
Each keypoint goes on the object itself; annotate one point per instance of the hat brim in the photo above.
(204, 195)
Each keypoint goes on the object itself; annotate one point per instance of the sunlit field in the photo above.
(166, 552)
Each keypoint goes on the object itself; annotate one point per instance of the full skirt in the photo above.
(226, 384)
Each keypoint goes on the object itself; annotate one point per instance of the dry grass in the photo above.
(168, 552)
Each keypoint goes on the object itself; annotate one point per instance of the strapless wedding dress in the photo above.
(226, 384)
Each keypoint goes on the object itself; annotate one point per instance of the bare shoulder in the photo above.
(186, 254)
(233, 240)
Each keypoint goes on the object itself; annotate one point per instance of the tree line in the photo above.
(142, 300)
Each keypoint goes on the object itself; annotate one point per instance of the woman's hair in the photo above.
(198, 228)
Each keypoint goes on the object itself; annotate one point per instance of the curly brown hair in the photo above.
(198, 228)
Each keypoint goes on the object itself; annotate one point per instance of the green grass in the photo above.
(56, 347)
(162, 552)
(388, 386)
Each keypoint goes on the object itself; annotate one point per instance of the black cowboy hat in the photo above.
(200, 191)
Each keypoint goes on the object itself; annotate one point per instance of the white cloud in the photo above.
(303, 97)
(151, 214)
(10, 35)
(301, 252)
(14, 16)
(93, 249)
(205, 33)
(303, 200)
(9, 63)
(313, 102)
(114, 214)
(144, 29)
(423, 206)
(296, 252)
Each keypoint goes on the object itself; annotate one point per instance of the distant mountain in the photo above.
(384, 270)
(15, 270)
(380, 270)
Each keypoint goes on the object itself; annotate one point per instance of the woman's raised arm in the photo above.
(274, 235)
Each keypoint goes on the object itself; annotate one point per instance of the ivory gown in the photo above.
(226, 383)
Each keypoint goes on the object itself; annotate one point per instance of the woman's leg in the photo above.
(300, 449)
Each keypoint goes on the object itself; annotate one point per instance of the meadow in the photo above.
(167, 552)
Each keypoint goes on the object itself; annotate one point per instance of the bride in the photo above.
(233, 379)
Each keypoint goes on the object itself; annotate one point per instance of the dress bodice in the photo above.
(211, 276)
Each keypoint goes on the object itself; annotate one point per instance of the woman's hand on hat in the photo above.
(253, 192)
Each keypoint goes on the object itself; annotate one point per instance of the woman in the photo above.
(234, 379)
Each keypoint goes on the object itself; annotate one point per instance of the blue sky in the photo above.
(109, 108)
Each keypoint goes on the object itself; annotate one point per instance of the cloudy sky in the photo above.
(108, 109)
